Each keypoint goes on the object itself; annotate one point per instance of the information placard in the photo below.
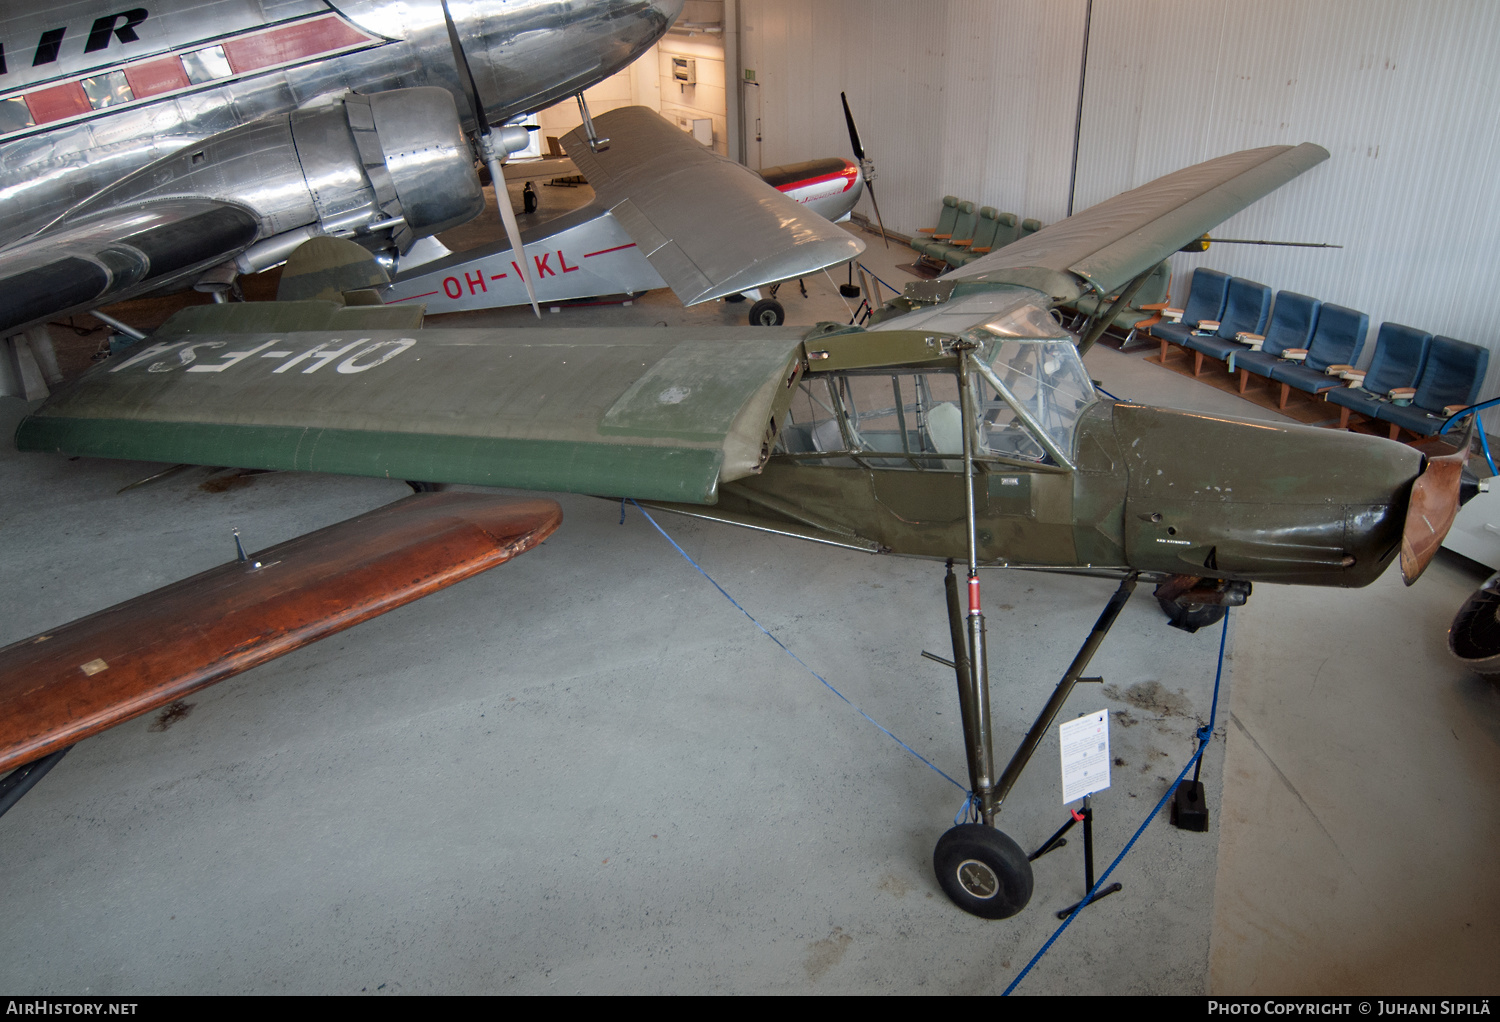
(1085, 755)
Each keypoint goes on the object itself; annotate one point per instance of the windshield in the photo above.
(1030, 389)
(1043, 381)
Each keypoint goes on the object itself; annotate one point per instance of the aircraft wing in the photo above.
(116, 255)
(1109, 244)
(91, 674)
(709, 226)
(313, 386)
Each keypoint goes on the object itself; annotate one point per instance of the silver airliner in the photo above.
(187, 141)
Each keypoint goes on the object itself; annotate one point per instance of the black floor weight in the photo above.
(983, 871)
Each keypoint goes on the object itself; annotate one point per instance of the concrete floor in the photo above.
(587, 771)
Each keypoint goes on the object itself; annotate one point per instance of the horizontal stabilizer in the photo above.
(101, 670)
(1109, 244)
(310, 386)
(709, 226)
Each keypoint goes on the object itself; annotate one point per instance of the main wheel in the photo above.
(1192, 616)
(767, 312)
(1475, 635)
(983, 871)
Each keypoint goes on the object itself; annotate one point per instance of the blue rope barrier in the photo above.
(1484, 440)
(936, 769)
(1203, 734)
(1105, 392)
(871, 272)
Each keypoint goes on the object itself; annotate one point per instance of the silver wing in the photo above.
(709, 226)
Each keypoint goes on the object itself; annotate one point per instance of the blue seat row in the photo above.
(1414, 381)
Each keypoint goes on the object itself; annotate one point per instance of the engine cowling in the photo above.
(393, 164)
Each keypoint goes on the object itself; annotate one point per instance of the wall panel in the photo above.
(978, 99)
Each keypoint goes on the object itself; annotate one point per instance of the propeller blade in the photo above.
(865, 166)
(870, 191)
(492, 156)
(512, 229)
(859, 150)
(1433, 506)
(465, 73)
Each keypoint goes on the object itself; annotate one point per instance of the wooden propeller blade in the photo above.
(98, 671)
(1430, 513)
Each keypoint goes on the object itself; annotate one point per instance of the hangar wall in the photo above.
(979, 99)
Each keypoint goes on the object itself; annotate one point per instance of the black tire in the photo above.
(767, 312)
(983, 871)
(1192, 616)
(1475, 635)
(736, 297)
(418, 486)
(849, 290)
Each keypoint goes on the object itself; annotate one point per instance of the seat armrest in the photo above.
(1451, 410)
(1339, 370)
(1295, 354)
(925, 230)
(1403, 393)
(1155, 307)
(963, 241)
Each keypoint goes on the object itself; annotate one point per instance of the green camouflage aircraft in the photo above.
(962, 426)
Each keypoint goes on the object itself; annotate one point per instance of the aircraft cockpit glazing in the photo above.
(1029, 386)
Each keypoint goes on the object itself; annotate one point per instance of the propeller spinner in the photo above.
(494, 149)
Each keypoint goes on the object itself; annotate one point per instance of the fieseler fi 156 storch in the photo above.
(960, 427)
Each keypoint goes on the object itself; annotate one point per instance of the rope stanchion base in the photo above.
(1189, 807)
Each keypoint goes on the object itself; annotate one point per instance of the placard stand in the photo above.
(1057, 840)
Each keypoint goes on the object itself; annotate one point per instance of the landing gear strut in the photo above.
(980, 868)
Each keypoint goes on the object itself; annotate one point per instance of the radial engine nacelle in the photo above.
(394, 162)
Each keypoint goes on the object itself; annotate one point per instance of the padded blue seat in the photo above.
(1452, 375)
(1292, 322)
(1399, 354)
(1206, 296)
(1337, 340)
(1245, 306)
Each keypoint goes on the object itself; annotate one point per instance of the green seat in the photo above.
(984, 239)
(963, 231)
(1155, 292)
(946, 216)
(1007, 230)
